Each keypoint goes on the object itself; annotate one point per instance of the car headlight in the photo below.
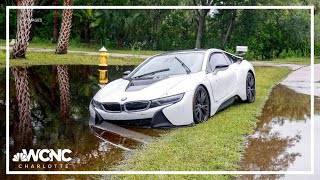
(96, 104)
(166, 100)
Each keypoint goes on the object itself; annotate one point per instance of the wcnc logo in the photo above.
(44, 155)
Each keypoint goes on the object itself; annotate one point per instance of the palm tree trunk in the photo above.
(65, 28)
(63, 78)
(23, 128)
(23, 30)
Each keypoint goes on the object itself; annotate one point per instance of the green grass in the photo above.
(46, 58)
(211, 146)
(301, 60)
(46, 44)
(2, 42)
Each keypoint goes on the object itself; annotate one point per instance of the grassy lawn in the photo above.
(214, 145)
(45, 58)
(85, 47)
(95, 48)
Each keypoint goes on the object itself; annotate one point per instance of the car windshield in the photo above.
(170, 64)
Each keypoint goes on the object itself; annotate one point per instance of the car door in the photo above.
(221, 74)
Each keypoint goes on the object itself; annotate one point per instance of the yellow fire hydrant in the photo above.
(103, 72)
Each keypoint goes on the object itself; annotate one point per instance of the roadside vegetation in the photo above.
(49, 58)
(46, 58)
(269, 34)
(211, 146)
(78, 46)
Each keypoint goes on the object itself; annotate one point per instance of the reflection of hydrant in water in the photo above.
(103, 72)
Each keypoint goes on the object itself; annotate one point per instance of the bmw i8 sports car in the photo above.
(174, 89)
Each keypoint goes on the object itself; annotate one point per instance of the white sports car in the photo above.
(175, 89)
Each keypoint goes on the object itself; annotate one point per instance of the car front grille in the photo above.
(128, 106)
(137, 105)
(112, 107)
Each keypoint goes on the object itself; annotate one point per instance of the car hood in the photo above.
(123, 90)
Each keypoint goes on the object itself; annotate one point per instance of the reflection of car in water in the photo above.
(120, 137)
(175, 88)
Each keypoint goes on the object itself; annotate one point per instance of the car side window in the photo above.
(229, 58)
(217, 59)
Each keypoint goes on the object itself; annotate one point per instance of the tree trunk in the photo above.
(65, 29)
(63, 78)
(87, 34)
(201, 25)
(225, 39)
(55, 23)
(18, 11)
(23, 30)
(201, 19)
(22, 126)
(155, 28)
(120, 41)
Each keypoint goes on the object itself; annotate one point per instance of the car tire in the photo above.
(250, 88)
(201, 105)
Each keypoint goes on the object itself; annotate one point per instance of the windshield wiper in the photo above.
(183, 65)
(151, 73)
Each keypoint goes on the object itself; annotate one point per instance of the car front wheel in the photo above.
(250, 88)
(201, 105)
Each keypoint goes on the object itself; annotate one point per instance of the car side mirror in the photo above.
(126, 73)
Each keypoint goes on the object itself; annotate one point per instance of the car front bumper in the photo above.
(177, 114)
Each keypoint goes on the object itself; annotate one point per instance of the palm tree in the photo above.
(65, 28)
(22, 125)
(62, 70)
(63, 78)
(22, 132)
(88, 19)
(23, 30)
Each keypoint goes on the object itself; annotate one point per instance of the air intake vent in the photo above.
(137, 105)
(112, 107)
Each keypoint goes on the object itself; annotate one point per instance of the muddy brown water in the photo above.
(281, 140)
(93, 148)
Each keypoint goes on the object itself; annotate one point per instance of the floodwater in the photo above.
(93, 148)
(280, 142)
(282, 138)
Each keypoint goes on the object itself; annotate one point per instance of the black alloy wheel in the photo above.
(250, 88)
(201, 105)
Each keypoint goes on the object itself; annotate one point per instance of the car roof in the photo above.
(191, 50)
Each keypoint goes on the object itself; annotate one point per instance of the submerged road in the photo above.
(300, 81)
(281, 141)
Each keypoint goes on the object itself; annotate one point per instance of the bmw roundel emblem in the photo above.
(124, 98)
